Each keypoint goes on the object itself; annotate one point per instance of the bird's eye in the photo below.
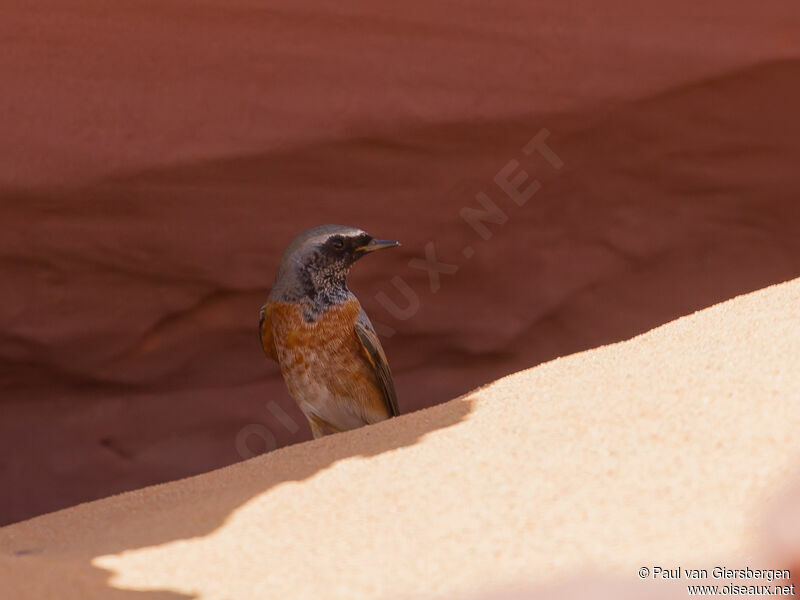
(338, 243)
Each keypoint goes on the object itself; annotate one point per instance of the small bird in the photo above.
(315, 328)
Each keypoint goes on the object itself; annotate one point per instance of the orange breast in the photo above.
(324, 364)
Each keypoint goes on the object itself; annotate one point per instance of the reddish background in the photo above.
(157, 156)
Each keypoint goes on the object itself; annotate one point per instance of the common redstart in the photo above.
(315, 328)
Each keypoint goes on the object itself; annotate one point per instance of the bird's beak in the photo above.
(377, 245)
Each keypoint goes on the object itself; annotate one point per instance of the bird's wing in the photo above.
(374, 352)
(265, 333)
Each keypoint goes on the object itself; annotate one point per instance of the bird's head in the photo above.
(317, 261)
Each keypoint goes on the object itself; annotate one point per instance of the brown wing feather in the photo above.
(265, 333)
(374, 352)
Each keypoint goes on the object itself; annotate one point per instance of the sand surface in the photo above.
(156, 157)
(671, 448)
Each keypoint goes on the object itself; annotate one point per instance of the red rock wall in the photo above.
(157, 156)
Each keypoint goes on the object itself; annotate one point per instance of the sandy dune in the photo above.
(668, 449)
